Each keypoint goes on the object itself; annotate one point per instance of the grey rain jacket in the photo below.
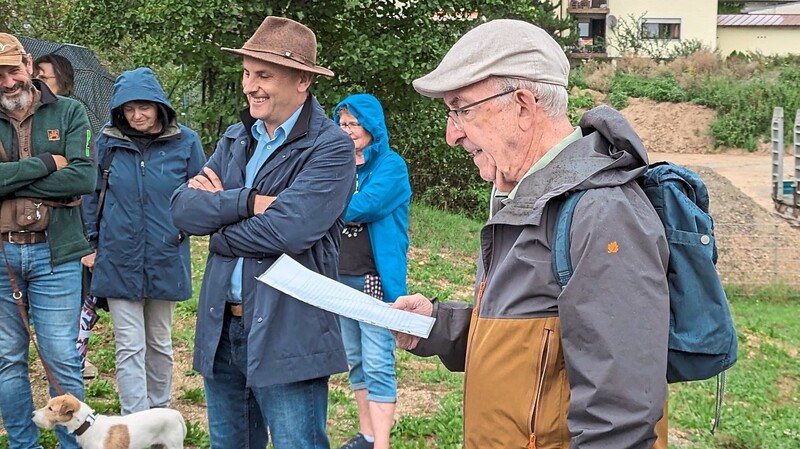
(582, 368)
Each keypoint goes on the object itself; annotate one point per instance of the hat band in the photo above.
(288, 55)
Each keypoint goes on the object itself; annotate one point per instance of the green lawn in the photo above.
(762, 404)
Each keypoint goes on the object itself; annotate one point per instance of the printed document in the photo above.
(292, 278)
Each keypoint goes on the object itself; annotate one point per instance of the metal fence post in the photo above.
(797, 159)
(777, 154)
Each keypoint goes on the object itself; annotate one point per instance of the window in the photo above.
(661, 29)
(583, 28)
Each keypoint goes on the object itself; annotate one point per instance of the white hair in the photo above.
(553, 99)
(18, 104)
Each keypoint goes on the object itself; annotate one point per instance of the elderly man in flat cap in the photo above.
(278, 182)
(45, 166)
(583, 367)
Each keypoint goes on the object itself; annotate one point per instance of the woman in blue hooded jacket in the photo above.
(373, 259)
(141, 261)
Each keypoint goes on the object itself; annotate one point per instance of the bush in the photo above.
(637, 65)
(686, 48)
(618, 100)
(661, 88)
(579, 102)
(601, 79)
(744, 108)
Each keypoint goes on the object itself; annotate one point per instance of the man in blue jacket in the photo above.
(278, 182)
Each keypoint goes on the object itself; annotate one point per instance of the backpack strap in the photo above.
(562, 264)
(101, 197)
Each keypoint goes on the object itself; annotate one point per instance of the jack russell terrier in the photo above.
(157, 426)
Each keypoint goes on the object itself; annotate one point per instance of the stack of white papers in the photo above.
(292, 278)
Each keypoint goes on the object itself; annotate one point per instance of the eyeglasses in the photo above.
(350, 125)
(455, 114)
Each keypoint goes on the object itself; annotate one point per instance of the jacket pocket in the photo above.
(24, 214)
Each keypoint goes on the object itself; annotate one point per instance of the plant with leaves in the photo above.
(627, 38)
(375, 46)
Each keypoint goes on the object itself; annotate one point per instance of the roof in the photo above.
(758, 20)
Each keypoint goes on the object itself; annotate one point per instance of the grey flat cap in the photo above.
(504, 47)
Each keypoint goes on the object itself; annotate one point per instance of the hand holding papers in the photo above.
(288, 276)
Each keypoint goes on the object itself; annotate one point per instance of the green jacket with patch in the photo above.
(60, 127)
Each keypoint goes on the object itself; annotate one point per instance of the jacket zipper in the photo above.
(475, 314)
(544, 356)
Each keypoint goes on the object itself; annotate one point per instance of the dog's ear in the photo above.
(67, 407)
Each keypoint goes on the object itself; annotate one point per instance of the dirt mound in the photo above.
(671, 127)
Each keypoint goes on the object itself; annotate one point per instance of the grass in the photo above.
(762, 404)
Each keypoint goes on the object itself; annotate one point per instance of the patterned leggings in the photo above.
(88, 319)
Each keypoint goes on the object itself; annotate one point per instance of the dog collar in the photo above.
(85, 426)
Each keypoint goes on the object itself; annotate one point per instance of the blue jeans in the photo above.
(238, 416)
(370, 353)
(53, 295)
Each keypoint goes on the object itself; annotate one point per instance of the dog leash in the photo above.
(17, 295)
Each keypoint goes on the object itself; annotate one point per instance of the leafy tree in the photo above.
(42, 19)
(376, 46)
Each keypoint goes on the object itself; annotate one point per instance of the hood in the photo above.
(613, 138)
(139, 85)
(610, 153)
(369, 112)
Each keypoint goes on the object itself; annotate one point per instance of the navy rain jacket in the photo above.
(140, 252)
(312, 175)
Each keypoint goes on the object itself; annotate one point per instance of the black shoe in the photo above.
(357, 442)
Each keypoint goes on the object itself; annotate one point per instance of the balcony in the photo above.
(583, 7)
(589, 48)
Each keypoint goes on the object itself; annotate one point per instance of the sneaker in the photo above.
(89, 370)
(357, 442)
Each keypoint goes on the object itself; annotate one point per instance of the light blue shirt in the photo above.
(264, 148)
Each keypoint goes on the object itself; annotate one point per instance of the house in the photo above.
(601, 24)
(767, 34)
(608, 28)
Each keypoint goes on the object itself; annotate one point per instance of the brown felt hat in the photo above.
(284, 42)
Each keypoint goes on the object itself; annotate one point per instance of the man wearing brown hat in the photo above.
(583, 367)
(278, 182)
(45, 165)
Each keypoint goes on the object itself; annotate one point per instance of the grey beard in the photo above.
(19, 103)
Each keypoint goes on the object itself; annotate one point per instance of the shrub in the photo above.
(601, 78)
(637, 65)
(686, 48)
(579, 102)
(744, 108)
(618, 100)
(661, 88)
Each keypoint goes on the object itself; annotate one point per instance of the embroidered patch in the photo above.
(53, 134)
(613, 247)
